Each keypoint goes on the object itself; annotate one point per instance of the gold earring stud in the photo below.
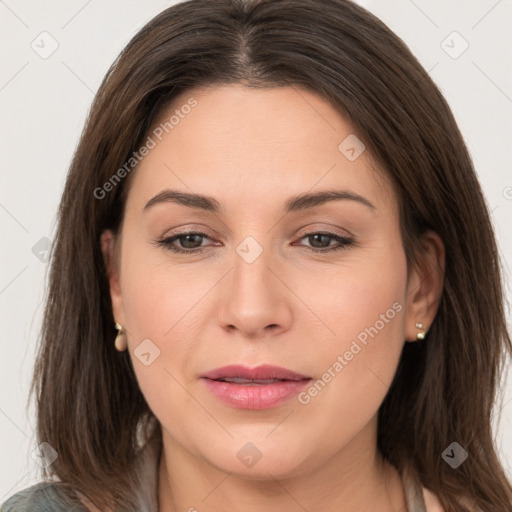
(421, 335)
(120, 342)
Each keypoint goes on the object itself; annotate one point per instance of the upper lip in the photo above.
(265, 371)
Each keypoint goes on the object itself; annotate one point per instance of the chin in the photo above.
(258, 460)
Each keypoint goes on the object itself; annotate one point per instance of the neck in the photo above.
(355, 478)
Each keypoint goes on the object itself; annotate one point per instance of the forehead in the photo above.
(245, 146)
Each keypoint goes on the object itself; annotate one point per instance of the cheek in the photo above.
(356, 296)
(162, 304)
(156, 299)
(157, 295)
(357, 361)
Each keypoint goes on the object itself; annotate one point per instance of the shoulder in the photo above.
(42, 497)
(51, 496)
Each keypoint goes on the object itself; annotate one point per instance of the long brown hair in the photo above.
(90, 408)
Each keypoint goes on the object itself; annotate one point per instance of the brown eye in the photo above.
(192, 242)
(321, 242)
(188, 242)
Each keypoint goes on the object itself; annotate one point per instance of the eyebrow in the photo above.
(295, 203)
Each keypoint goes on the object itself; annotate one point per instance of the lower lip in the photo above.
(255, 396)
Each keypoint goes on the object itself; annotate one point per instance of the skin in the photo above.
(251, 150)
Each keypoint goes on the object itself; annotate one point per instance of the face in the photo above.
(258, 277)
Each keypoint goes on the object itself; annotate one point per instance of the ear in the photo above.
(425, 285)
(109, 249)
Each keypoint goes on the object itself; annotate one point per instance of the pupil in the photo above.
(187, 239)
(320, 235)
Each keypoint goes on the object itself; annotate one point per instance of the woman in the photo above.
(273, 205)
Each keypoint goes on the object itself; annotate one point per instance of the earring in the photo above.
(120, 341)
(421, 335)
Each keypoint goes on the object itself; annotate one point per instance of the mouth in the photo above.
(262, 387)
(257, 382)
(260, 373)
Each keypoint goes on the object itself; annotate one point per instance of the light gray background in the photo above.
(43, 106)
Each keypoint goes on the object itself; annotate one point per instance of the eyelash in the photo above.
(344, 242)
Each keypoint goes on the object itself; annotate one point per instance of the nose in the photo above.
(255, 300)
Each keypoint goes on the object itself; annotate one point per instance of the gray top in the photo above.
(48, 497)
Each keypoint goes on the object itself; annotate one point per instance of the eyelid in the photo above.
(332, 231)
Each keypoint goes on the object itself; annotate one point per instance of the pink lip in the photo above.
(265, 371)
(254, 395)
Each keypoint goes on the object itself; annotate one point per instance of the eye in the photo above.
(191, 242)
(320, 242)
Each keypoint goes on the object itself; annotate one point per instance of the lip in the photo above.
(254, 395)
(265, 371)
